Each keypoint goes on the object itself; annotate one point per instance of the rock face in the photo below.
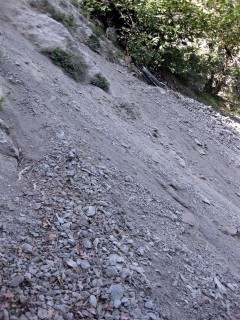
(7, 146)
(43, 31)
(8, 154)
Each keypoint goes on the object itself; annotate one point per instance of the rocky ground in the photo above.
(118, 205)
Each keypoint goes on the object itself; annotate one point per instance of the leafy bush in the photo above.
(73, 64)
(66, 19)
(100, 81)
(2, 99)
(93, 42)
(75, 3)
(180, 36)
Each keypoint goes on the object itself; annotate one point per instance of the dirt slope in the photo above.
(119, 205)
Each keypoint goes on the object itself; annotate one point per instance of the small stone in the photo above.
(230, 286)
(125, 300)
(114, 258)
(201, 151)
(42, 313)
(102, 203)
(28, 277)
(93, 301)
(117, 303)
(149, 304)
(87, 243)
(220, 286)
(141, 251)
(231, 231)
(71, 263)
(16, 281)
(126, 273)
(27, 248)
(205, 200)
(4, 126)
(198, 142)
(128, 179)
(188, 218)
(84, 264)
(152, 316)
(111, 272)
(5, 315)
(91, 211)
(23, 299)
(37, 206)
(116, 291)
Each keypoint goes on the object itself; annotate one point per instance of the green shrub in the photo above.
(72, 63)
(100, 81)
(180, 36)
(1, 57)
(66, 19)
(93, 42)
(75, 3)
(2, 99)
(98, 30)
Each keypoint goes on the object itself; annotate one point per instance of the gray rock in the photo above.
(229, 230)
(116, 291)
(111, 34)
(220, 286)
(114, 258)
(27, 248)
(5, 315)
(90, 211)
(141, 251)
(117, 303)
(4, 126)
(125, 273)
(230, 286)
(23, 299)
(152, 316)
(42, 313)
(71, 263)
(87, 243)
(7, 146)
(149, 304)
(111, 272)
(83, 263)
(16, 281)
(93, 301)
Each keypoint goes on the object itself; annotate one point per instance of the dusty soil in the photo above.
(118, 205)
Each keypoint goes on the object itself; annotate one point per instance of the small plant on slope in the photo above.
(2, 99)
(100, 81)
(72, 63)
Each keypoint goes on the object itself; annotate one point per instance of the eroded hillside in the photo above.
(118, 204)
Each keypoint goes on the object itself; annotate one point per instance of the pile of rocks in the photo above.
(72, 257)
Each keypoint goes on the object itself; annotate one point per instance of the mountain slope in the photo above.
(120, 205)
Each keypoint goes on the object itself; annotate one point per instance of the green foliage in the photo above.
(2, 99)
(98, 30)
(73, 64)
(75, 3)
(93, 42)
(100, 81)
(66, 19)
(1, 57)
(182, 36)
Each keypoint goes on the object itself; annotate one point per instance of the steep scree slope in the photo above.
(118, 205)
